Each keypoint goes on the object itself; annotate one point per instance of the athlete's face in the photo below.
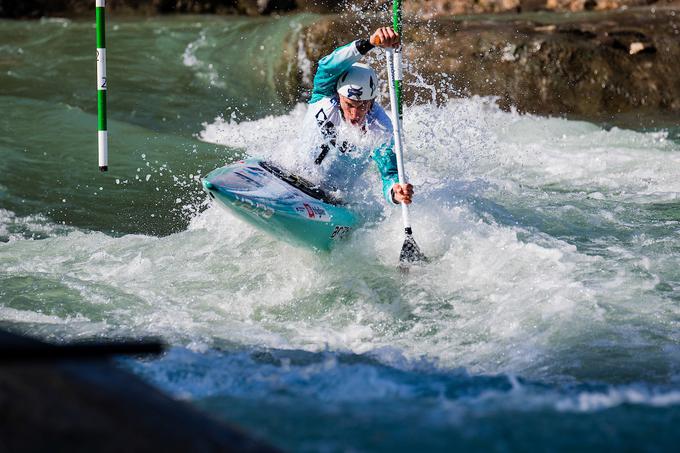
(355, 111)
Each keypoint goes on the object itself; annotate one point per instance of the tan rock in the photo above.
(593, 66)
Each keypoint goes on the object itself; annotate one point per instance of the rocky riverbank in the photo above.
(590, 65)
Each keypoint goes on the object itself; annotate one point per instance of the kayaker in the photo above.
(342, 103)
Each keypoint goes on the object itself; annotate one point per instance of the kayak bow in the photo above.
(280, 204)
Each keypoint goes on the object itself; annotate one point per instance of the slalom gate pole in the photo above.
(102, 133)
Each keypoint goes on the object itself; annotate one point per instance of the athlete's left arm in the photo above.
(384, 156)
(386, 161)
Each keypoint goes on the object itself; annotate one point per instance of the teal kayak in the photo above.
(279, 203)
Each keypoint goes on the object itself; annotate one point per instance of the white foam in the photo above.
(204, 71)
(36, 226)
(263, 138)
(26, 316)
(55, 21)
(613, 397)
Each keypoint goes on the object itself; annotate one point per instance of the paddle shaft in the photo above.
(398, 142)
(102, 133)
(396, 26)
(394, 75)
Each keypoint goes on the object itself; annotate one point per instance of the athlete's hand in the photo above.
(402, 193)
(385, 37)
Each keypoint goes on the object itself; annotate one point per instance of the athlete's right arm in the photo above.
(332, 66)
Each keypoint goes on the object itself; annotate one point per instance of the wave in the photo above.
(336, 378)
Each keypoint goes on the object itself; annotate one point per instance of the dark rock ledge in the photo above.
(91, 405)
(591, 65)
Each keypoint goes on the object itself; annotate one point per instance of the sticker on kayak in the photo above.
(312, 211)
(340, 232)
(255, 208)
(244, 179)
(255, 171)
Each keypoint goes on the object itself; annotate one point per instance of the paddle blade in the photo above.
(410, 252)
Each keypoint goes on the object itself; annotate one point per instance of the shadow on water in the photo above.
(311, 401)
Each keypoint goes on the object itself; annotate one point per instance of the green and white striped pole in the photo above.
(102, 134)
(398, 73)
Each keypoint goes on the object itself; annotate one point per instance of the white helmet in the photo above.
(359, 83)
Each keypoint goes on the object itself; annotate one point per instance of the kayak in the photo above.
(279, 203)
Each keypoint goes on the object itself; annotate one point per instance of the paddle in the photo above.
(410, 252)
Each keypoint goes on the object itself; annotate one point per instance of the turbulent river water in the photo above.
(547, 319)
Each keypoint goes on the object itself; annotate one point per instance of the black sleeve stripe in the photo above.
(363, 46)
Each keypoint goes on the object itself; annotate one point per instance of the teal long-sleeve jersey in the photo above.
(339, 158)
